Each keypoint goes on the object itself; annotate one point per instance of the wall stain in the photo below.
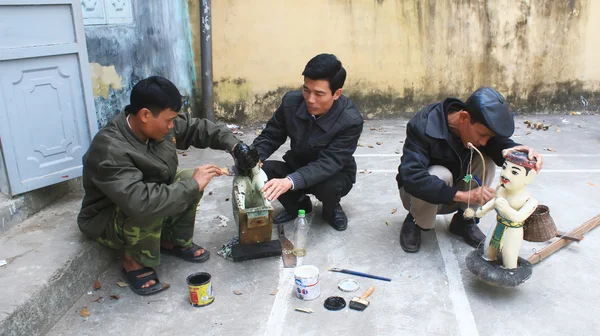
(103, 79)
(228, 90)
(152, 46)
(259, 107)
(375, 103)
(402, 55)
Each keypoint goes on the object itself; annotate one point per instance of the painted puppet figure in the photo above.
(249, 179)
(513, 206)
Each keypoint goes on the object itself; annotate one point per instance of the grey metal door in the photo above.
(47, 114)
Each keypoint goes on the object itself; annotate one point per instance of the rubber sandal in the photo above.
(136, 283)
(187, 253)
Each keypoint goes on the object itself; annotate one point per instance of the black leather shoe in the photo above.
(336, 218)
(285, 216)
(466, 228)
(410, 235)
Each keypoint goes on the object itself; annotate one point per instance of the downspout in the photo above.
(206, 60)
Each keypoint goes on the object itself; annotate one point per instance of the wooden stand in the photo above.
(573, 235)
(255, 224)
(255, 227)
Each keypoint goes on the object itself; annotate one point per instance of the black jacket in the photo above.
(320, 148)
(429, 142)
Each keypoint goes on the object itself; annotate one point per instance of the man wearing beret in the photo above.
(435, 161)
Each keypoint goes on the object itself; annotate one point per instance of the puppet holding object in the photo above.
(499, 263)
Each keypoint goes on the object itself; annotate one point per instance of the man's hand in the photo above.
(203, 174)
(531, 154)
(275, 187)
(475, 195)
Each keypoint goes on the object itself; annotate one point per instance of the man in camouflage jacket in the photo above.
(135, 199)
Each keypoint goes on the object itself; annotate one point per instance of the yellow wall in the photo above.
(403, 54)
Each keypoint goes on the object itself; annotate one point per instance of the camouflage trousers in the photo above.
(141, 240)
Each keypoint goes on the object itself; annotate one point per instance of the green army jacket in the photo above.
(121, 171)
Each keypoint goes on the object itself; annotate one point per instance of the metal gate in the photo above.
(47, 114)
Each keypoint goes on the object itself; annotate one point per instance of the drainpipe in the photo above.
(206, 60)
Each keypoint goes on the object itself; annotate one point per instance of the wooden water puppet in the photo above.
(252, 212)
(518, 217)
(498, 262)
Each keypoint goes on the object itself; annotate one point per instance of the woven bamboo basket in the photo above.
(539, 227)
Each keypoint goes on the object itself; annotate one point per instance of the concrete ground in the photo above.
(431, 292)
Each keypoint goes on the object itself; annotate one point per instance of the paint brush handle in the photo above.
(360, 274)
(368, 293)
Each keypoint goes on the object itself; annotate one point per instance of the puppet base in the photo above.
(241, 252)
(492, 272)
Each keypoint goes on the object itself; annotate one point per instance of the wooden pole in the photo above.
(560, 243)
(565, 235)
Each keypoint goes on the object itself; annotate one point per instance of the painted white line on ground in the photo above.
(544, 171)
(462, 309)
(543, 154)
(287, 287)
(281, 305)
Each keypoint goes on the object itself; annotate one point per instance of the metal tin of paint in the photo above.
(200, 287)
(307, 282)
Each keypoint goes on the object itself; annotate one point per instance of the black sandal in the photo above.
(136, 282)
(187, 253)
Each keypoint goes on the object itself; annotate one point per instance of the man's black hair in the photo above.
(154, 93)
(326, 66)
(476, 117)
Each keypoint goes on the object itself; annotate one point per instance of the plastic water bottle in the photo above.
(300, 234)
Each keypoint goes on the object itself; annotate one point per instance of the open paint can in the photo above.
(307, 282)
(200, 287)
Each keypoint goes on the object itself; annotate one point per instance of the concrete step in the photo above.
(14, 210)
(50, 264)
(10, 212)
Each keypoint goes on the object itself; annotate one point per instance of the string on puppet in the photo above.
(469, 212)
(469, 178)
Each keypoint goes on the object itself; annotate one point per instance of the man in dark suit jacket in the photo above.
(324, 127)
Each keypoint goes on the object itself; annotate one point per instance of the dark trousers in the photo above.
(329, 192)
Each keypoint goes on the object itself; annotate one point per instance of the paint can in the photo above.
(200, 287)
(307, 282)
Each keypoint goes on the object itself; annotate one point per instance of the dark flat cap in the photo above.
(488, 105)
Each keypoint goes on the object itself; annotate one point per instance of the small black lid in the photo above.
(334, 303)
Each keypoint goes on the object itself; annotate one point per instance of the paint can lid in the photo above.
(335, 303)
(348, 285)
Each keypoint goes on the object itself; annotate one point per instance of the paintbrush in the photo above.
(341, 270)
(230, 171)
(361, 303)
